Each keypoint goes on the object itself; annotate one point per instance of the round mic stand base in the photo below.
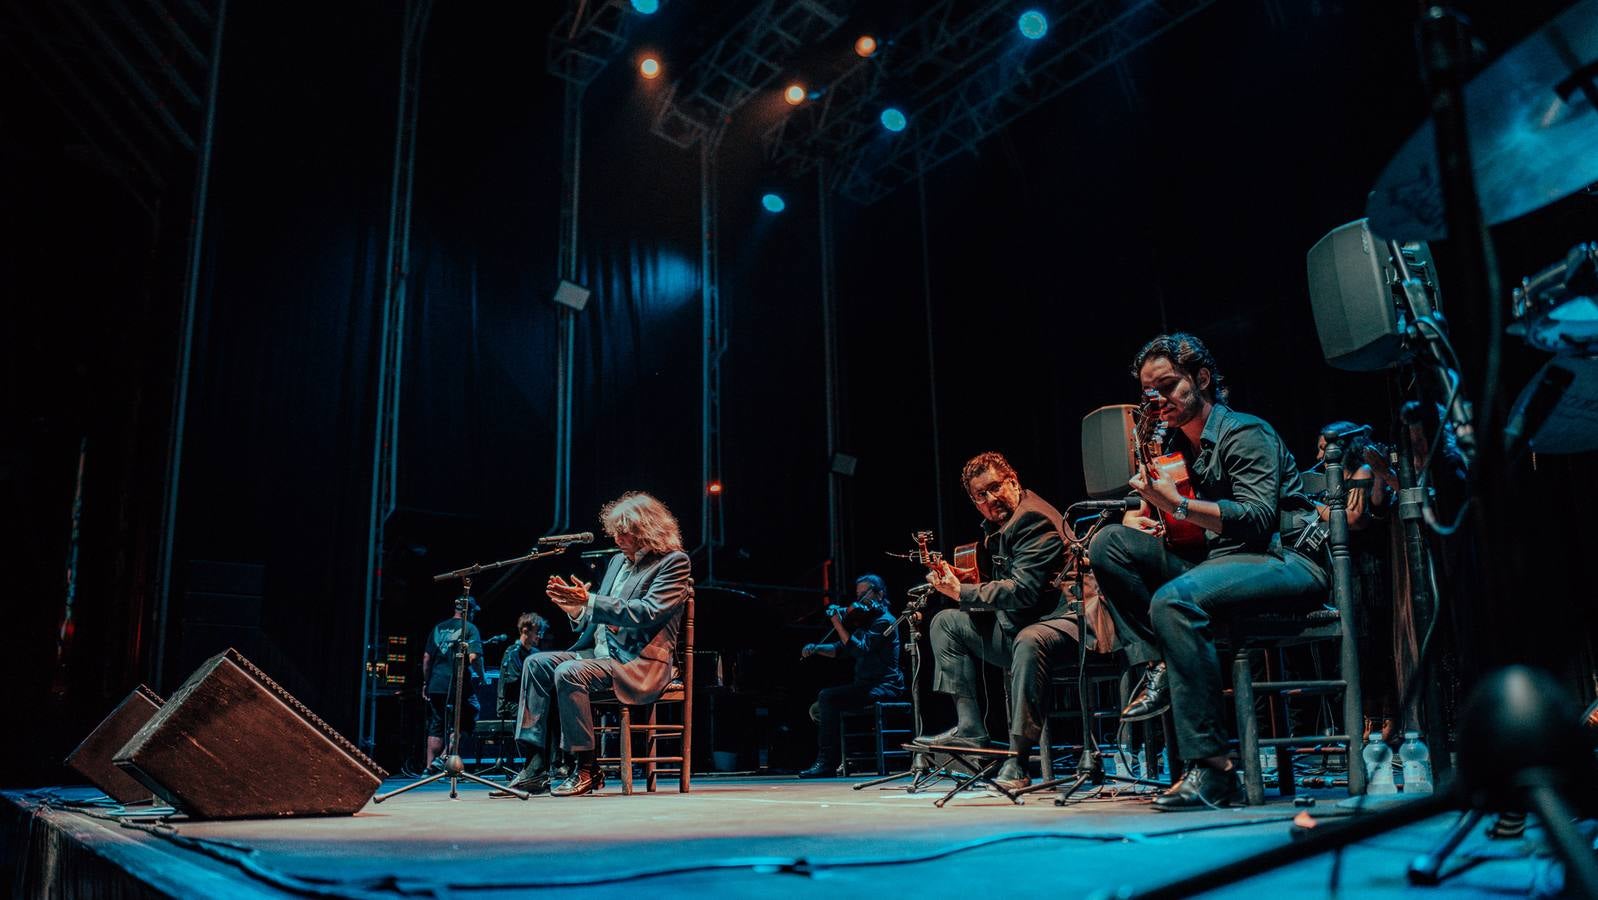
(454, 769)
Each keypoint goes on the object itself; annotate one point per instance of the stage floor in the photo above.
(739, 836)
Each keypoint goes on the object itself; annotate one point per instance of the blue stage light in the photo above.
(1033, 24)
(893, 119)
(773, 203)
(646, 6)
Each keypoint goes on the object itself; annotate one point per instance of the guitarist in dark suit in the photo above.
(1245, 484)
(1014, 619)
(626, 641)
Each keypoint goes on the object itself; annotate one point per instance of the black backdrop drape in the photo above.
(1179, 189)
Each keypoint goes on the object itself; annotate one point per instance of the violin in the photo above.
(854, 615)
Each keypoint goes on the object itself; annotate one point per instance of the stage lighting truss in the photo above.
(586, 38)
(957, 74)
(133, 81)
(743, 62)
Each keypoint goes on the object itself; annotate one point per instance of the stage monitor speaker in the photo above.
(92, 758)
(232, 744)
(1352, 280)
(1109, 450)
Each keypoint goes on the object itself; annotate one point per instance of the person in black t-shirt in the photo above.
(438, 679)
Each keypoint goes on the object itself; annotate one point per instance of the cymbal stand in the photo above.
(454, 769)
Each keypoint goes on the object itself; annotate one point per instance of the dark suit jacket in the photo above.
(646, 611)
(1028, 552)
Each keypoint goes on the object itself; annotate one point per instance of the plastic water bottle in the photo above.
(1378, 766)
(1417, 764)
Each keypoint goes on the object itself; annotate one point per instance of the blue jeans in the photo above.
(1164, 605)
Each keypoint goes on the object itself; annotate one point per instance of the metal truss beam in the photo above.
(743, 62)
(1093, 37)
(959, 81)
(585, 38)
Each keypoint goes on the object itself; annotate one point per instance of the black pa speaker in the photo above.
(1109, 450)
(1352, 280)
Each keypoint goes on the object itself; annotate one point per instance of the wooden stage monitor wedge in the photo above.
(232, 744)
(92, 758)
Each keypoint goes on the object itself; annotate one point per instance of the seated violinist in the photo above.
(865, 633)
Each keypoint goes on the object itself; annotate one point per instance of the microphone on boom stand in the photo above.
(581, 537)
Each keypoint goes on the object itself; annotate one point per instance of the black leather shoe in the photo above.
(951, 738)
(1012, 775)
(822, 768)
(580, 781)
(1153, 700)
(535, 783)
(1202, 788)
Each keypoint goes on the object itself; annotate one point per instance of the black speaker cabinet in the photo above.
(1109, 451)
(92, 758)
(1352, 284)
(232, 744)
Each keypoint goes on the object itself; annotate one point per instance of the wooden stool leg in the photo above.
(649, 767)
(626, 737)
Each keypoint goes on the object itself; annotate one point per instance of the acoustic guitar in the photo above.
(1153, 456)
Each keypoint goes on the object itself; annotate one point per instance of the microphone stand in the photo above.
(454, 769)
(1090, 763)
(919, 772)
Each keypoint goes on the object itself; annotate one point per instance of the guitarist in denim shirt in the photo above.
(1244, 480)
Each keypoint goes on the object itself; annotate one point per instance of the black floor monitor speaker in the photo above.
(1109, 451)
(1352, 280)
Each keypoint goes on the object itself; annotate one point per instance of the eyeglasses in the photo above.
(993, 492)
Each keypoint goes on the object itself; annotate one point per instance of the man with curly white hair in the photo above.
(626, 641)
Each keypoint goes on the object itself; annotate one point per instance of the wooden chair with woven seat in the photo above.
(1249, 633)
(680, 691)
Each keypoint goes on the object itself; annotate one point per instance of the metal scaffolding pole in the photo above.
(390, 362)
(180, 392)
(566, 333)
(829, 354)
(711, 518)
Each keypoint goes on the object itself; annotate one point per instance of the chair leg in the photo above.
(649, 767)
(687, 746)
(1045, 755)
(625, 734)
(882, 751)
(1248, 736)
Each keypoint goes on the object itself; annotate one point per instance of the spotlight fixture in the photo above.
(647, 7)
(865, 45)
(714, 488)
(649, 67)
(1033, 24)
(773, 203)
(893, 119)
(795, 94)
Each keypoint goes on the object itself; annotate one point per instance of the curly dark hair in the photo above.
(976, 465)
(1188, 354)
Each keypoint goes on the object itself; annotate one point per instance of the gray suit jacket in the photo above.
(646, 613)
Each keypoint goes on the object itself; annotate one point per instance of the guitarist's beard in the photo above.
(1000, 510)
